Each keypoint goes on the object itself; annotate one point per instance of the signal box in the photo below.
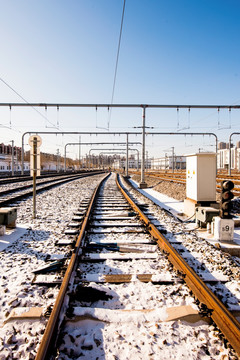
(8, 216)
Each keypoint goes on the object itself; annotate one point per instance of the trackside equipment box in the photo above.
(200, 181)
(8, 216)
(201, 177)
(205, 215)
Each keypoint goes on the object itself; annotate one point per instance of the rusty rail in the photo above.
(50, 335)
(222, 317)
(181, 179)
(225, 321)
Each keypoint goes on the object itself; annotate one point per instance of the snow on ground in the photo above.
(142, 341)
(93, 339)
(132, 322)
(164, 201)
(54, 211)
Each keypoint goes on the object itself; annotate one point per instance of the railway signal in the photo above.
(226, 197)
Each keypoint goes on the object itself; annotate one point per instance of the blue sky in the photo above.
(172, 52)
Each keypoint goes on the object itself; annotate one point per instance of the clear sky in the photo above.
(172, 52)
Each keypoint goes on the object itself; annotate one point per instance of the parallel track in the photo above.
(180, 178)
(45, 185)
(220, 315)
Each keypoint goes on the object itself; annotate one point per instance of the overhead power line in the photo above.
(116, 66)
(10, 87)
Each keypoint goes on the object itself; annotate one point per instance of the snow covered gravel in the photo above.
(19, 340)
(200, 255)
(130, 334)
(92, 339)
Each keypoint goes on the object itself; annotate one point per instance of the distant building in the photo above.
(132, 163)
(7, 150)
(223, 158)
(169, 162)
(6, 164)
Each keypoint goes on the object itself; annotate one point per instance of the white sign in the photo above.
(35, 137)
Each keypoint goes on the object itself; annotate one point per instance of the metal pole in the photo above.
(173, 159)
(146, 161)
(34, 175)
(79, 152)
(127, 157)
(137, 160)
(65, 154)
(151, 106)
(17, 159)
(22, 170)
(12, 157)
(58, 158)
(142, 184)
(230, 156)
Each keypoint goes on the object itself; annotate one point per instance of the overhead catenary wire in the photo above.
(33, 107)
(116, 66)
(10, 87)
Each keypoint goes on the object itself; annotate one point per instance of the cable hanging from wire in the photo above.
(116, 66)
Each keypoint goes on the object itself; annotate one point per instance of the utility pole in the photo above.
(79, 153)
(34, 175)
(173, 159)
(146, 161)
(142, 184)
(127, 157)
(12, 157)
(57, 160)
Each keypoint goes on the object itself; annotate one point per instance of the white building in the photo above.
(169, 162)
(6, 164)
(132, 163)
(223, 158)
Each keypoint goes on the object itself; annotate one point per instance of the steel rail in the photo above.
(53, 183)
(225, 321)
(182, 180)
(50, 334)
(222, 317)
(39, 183)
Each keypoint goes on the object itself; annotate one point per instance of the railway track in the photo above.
(18, 193)
(117, 279)
(22, 178)
(180, 178)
